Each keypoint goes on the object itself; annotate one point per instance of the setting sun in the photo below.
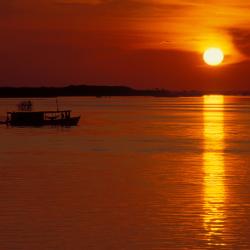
(213, 56)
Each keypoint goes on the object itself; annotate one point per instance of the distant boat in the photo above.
(26, 117)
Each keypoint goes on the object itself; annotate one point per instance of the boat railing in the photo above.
(56, 115)
(25, 106)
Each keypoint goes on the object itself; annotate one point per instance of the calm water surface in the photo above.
(136, 174)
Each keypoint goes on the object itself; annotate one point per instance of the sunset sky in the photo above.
(139, 43)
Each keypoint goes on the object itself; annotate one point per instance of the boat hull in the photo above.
(68, 122)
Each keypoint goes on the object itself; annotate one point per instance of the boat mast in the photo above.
(57, 108)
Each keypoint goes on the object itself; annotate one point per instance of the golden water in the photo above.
(137, 173)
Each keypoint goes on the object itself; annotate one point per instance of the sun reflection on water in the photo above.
(213, 160)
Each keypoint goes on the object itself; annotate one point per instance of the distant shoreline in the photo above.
(104, 91)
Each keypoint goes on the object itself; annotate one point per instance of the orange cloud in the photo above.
(189, 25)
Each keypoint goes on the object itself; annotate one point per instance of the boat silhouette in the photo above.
(26, 117)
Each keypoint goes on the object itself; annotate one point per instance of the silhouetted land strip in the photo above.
(101, 91)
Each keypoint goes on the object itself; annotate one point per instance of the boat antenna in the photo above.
(57, 104)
